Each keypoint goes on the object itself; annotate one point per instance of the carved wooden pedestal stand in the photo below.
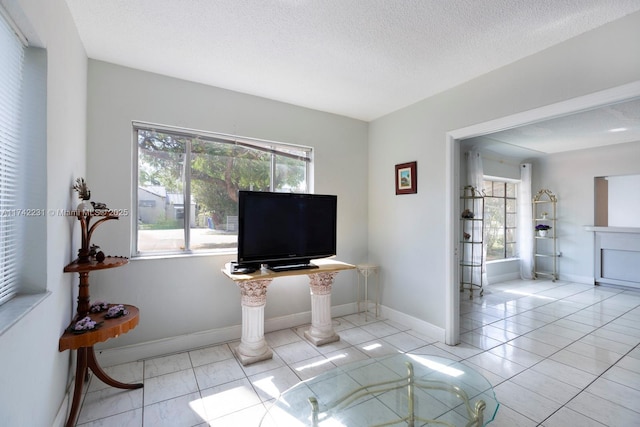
(110, 328)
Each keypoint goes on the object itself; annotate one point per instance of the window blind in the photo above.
(11, 70)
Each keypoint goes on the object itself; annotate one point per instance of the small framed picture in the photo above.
(407, 178)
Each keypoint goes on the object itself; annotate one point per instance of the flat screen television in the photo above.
(285, 231)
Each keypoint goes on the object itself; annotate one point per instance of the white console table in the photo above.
(253, 290)
(617, 255)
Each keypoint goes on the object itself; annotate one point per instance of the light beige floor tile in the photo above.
(228, 398)
(182, 411)
(517, 355)
(623, 376)
(584, 363)
(616, 392)
(216, 373)
(166, 365)
(125, 419)
(546, 386)
(507, 417)
(282, 337)
(405, 341)
(505, 368)
(107, 402)
(169, 386)
(603, 410)
(270, 384)
(245, 417)
(129, 373)
(566, 417)
(205, 355)
(565, 373)
(525, 402)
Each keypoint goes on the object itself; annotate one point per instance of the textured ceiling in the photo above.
(610, 124)
(357, 58)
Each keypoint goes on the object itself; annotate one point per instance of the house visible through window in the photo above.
(188, 181)
(500, 218)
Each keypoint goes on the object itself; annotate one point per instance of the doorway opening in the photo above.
(453, 146)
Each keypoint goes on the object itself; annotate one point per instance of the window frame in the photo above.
(505, 227)
(304, 153)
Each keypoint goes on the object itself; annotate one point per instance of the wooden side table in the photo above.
(86, 357)
(110, 328)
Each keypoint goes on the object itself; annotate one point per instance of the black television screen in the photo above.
(285, 230)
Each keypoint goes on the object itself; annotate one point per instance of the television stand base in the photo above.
(290, 267)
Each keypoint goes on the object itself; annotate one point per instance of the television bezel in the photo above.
(280, 260)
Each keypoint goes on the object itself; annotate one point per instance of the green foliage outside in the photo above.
(218, 170)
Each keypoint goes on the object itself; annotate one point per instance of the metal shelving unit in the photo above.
(471, 240)
(545, 254)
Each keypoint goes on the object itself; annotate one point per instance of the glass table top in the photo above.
(405, 389)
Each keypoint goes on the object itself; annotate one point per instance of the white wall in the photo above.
(34, 373)
(571, 177)
(407, 233)
(190, 295)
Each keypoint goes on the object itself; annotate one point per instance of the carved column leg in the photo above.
(321, 330)
(253, 347)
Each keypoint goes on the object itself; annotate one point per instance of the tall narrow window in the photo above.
(500, 219)
(11, 70)
(188, 181)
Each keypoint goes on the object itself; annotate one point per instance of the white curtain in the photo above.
(475, 177)
(525, 221)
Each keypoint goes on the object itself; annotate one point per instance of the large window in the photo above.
(500, 219)
(188, 181)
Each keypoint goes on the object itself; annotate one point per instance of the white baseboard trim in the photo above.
(587, 280)
(149, 349)
(414, 323)
(503, 277)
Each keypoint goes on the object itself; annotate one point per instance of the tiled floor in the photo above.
(557, 354)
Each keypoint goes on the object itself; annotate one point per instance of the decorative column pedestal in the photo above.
(253, 291)
(253, 347)
(321, 330)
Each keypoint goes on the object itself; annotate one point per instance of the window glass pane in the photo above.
(500, 219)
(291, 175)
(488, 188)
(498, 189)
(219, 166)
(511, 250)
(160, 192)
(495, 244)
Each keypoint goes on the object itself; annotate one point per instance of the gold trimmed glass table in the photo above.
(405, 389)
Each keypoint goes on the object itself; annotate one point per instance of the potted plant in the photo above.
(542, 229)
(544, 215)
